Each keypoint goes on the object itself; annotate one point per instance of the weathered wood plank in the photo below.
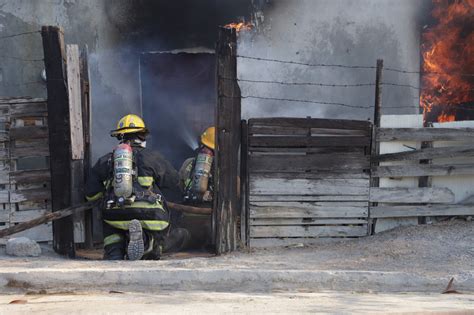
(39, 151)
(26, 109)
(311, 123)
(279, 242)
(307, 231)
(310, 198)
(75, 106)
(306, 221)
(323, 150)
(323, 141)
(4, 216)
(411, 195)
(429, 153)
(348, 174)
(14, 100)
(30, 195)
(4, 196)
(423, 170)
(41, 233)
(329, 162)
(301, 131)
(275, 186)
(425, 134)
(269, 210)
(30, 176)
(420, 210)
(29, 132)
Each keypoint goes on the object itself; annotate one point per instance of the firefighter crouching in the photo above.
(128, 180)
(196, 173)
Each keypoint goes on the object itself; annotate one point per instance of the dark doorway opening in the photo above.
(178, 91)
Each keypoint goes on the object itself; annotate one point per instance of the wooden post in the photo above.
(59, 136)
(244, 215)
(375, 147)
(86, 127)
(228, 142)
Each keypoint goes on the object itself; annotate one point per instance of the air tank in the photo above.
(123, 170)
(202, 170)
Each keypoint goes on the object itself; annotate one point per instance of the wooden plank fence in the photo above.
(421, 202)
(25, 190)
(306, 179)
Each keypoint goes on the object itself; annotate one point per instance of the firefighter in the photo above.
(196, 175)
(128, 181)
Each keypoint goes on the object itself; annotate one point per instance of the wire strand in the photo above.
(304, 83)
(19, 34)
(306, 64)
(294, 100)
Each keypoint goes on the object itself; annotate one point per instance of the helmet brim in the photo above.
(128, 130)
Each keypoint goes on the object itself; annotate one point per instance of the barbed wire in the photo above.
(307, 64)
(304, 83)
(21, 59)
(19, 34)
(333, 85)
(352, 66)
(294, 100)
(333, 103)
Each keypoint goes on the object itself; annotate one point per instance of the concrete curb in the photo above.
(227, 280)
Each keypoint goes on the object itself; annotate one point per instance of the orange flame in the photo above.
(446, 117)
(447, 51)
(242, 26)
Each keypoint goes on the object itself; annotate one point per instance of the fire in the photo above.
(446, 117)
(448, 59)
(242, 26)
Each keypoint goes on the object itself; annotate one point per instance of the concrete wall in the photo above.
(351, 32)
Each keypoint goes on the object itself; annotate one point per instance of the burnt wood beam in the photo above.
(59, 136)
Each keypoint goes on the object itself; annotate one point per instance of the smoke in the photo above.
(354, 33)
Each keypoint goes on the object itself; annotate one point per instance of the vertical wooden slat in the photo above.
(90, 233)
(228, 142)
(244, 191)
(375, 145)
(59, 136)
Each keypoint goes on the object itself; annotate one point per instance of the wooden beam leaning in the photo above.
(429, 153)
(411, 195)
(44, 219)
(425, 134)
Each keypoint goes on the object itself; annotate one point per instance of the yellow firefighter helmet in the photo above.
(129, 124)
(208, 138)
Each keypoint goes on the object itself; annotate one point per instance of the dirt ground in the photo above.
(236, 303)
(440, 248)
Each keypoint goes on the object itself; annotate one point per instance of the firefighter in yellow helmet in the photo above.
(129, 182)
(196, 173)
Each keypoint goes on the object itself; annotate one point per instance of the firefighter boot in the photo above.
(136, 246)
